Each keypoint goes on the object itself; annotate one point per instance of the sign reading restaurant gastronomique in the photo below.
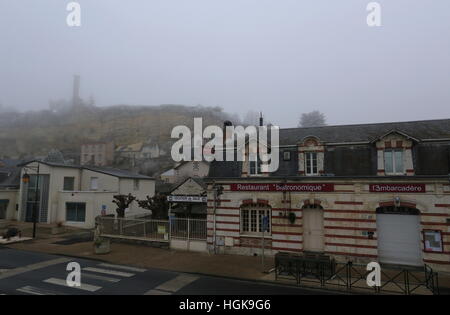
(397, 188)
(300, 187)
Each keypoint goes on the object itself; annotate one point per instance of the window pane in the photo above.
(399, 161)
(81, 212)
(388, 163)
(69, 183)
(308, 163)
(253, 221)
(252, 167)
(94, 183)
(244, 215)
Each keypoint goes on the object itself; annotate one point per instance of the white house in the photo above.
(75, 194)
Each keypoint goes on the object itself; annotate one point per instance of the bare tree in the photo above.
(312, 119)
(158, 204)
(122, 202)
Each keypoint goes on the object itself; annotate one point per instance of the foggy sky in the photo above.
(283, 57)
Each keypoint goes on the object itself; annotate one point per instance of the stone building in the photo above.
(97, 154)
(368, 192)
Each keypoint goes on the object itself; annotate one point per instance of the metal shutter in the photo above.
(399, 239)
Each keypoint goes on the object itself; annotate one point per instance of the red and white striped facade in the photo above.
(349, 214)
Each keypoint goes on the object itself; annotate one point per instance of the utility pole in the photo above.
(36, 200)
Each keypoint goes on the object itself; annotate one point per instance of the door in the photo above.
(313, 236)
(399, 239)
(3, 208)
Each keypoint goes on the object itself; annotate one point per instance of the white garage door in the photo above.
(399, 239)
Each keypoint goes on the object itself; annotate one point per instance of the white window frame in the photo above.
(311, 162)
(394, 167)
(257, 170)
(93, 185)
(253, 224)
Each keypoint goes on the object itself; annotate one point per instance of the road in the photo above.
(31, 273)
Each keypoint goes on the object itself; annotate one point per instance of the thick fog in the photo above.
(281, 57)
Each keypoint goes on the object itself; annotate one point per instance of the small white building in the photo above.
(75, 195)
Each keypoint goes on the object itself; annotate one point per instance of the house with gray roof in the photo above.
(365, 192)
(74, 195)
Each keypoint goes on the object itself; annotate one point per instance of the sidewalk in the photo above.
(234, 266)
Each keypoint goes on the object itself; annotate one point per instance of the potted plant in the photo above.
(102, 245)
(59, 228)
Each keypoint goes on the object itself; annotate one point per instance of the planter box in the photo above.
(103, 248)
(58, 230)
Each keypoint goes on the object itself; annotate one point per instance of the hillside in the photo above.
(35, 133)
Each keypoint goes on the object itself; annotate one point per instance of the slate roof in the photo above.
(359, 160)
(105, 170)
(421, 130)
(116, 172)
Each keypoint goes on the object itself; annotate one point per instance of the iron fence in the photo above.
(162, 230)
(325, 272)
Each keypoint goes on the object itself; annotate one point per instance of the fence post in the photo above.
(406, 278)
(349, 275)
(188, 230)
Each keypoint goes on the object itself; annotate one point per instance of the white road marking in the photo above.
(173, 285)
(122, 267)
(109, 272)
(84, 286)
(97, 277)
(40, 265)
(36, 291)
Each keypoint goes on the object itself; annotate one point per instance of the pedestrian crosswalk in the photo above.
(92, 279)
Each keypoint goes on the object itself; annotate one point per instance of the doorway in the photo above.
(313, 231)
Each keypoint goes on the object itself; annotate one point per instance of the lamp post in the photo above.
(26, 180)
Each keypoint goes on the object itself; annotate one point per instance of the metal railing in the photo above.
(160, 230)
(325, 272)
(188, 229)
(137, 228)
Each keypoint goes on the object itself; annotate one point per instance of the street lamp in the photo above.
(26, 180)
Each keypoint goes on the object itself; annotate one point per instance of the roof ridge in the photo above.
(370, 124)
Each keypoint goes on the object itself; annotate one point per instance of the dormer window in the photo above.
(311, 163)
(393, 162)
(311, 157)
(394, 155)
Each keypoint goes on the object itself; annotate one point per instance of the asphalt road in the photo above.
(31, 273)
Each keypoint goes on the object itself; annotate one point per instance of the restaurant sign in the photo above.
(397, 188)
(294, 187)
